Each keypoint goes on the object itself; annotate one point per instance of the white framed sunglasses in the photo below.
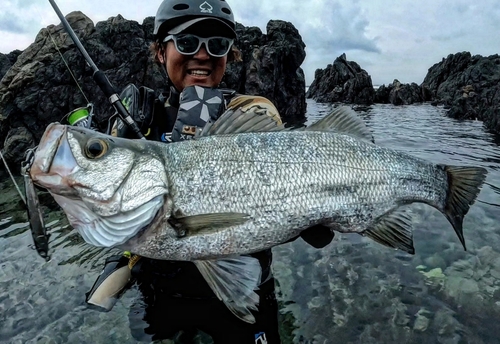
(188, 44)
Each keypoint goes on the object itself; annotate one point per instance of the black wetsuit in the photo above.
(175, 296)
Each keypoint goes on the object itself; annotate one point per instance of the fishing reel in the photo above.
(81, 117)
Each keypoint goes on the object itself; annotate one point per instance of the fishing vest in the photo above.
(177, 117)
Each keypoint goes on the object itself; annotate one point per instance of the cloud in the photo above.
(321, 23)
(449, 36)
(11, 23)
(328, 28)
(389, 40)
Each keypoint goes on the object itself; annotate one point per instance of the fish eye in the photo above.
(96, 148)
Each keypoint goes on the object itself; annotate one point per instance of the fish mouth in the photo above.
(53, 160)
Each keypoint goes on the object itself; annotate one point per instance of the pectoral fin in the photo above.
(233, 280)
(205, 223)
(394, 230)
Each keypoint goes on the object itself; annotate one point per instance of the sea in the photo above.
(352, 291)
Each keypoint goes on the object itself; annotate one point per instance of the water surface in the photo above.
(352, 291)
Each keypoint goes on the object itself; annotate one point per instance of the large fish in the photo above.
(244, 186)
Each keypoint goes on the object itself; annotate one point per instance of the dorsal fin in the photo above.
(343, 120)
(235, 121)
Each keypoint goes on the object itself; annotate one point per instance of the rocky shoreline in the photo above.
(468, 86)
(36, 87)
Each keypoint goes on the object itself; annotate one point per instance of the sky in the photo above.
(389, 39)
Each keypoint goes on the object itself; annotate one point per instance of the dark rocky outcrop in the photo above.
(344, 81)
(7, 60)
(469, 86)
(397, 93)
(39, 89)
(271, 67)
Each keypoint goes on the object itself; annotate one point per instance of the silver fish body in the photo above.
(232, 193)
(285, 182)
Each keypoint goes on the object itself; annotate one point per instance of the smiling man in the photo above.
(193, 43)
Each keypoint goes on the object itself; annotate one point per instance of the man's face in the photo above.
(200, 69)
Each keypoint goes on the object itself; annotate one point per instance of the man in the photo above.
(194, 42)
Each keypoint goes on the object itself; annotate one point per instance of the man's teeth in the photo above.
(199, 72)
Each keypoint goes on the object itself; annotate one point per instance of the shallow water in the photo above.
(352, 291)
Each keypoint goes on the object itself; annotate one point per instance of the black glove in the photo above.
(318, 236)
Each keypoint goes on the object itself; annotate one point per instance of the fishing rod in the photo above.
(100, 78)
(80, 117)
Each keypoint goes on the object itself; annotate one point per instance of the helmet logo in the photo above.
(206, 7)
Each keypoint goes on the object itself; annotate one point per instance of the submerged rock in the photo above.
(474, 283)
(421, 321)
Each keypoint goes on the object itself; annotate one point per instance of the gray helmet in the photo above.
(180, 14)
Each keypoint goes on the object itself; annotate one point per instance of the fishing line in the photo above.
(487, 203)
(12, 177)
(69, 69)
(65, 62)
(495, 189)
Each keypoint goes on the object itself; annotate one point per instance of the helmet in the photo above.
(173, 16)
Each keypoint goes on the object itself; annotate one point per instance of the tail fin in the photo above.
(463, 188)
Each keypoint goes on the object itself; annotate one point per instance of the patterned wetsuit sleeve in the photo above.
(256, 104)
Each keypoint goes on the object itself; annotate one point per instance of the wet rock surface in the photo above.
(397, 93)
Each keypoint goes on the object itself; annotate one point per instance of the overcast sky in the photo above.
(389, 39)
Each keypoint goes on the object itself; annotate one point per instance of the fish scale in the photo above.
(271, 185)
(223, 195)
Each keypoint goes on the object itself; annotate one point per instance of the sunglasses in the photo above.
(188, 44)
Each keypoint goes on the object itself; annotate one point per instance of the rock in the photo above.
(271, 67)
(434, 277)
(469, 85)
(495, 269)
(38, 89)
(405, 94)
(435, 261)
(421, 321)
(18, 140)
(315, 302)
(344, 82)
(382, 94)
(7, 60)
(397, 93)
(447, 326)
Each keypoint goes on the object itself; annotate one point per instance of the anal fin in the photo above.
(234, 281)
(393, 229)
